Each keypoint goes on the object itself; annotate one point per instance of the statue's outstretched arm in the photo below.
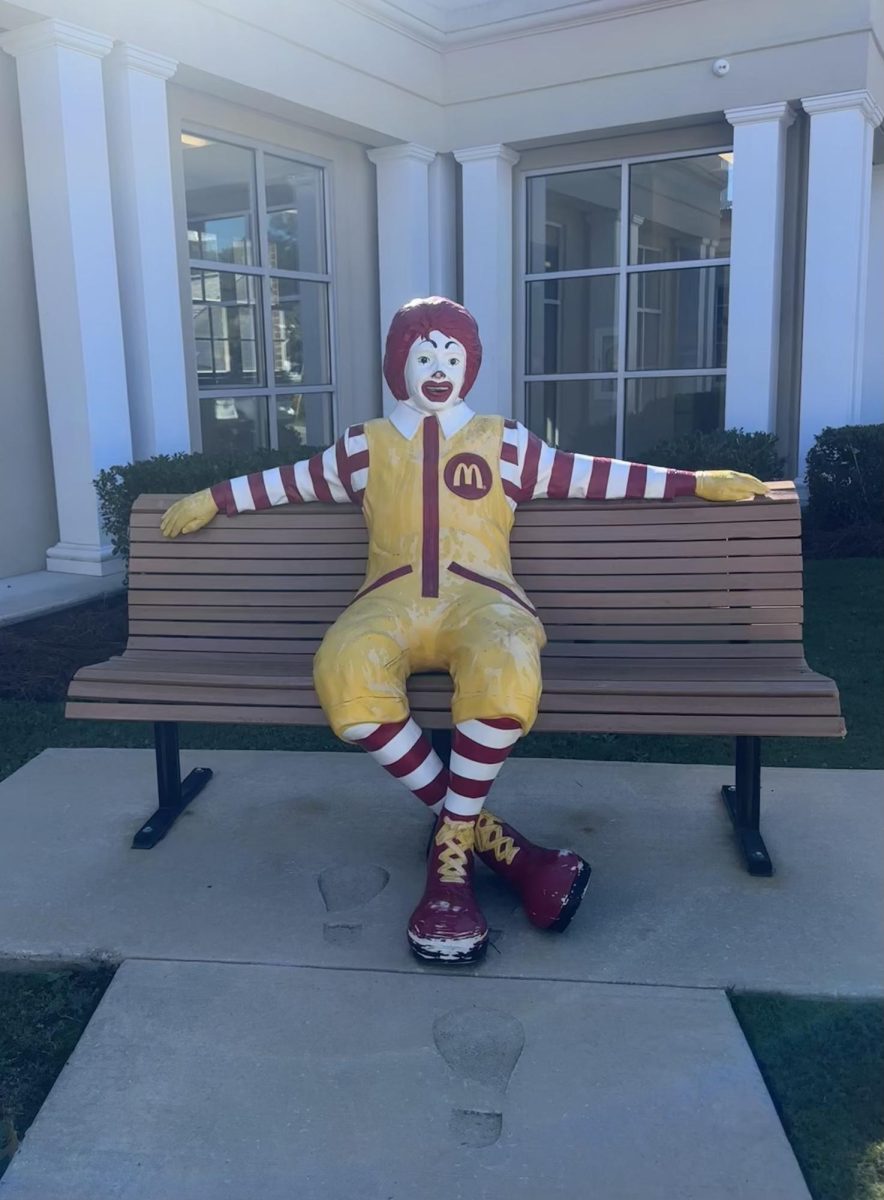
(335, 476)
(532, 470)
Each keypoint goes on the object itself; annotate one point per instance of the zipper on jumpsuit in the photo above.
(430, 530)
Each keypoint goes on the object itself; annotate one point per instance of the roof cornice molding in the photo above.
(52, 32)
(838, 101)
(137, 59)
(402, 150)
(438, 30)
(487, 153)
(781, 111)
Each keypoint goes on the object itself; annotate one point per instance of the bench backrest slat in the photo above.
(684, 576)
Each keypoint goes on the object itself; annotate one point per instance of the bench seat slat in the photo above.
(745, 725)
(256, 532)
(552, 615)
(289, 603)
(226, 575)
(667, 674)
(148, 645)
(687, 510)
(776, 701)
(645, 626)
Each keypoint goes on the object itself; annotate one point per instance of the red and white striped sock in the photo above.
(403, 750)
(478, 751)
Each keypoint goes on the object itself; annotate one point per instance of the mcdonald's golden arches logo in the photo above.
(468, 476)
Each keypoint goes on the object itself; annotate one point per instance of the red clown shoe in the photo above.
(447, 925)
(550, 883)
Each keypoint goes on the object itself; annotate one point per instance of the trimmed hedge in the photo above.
(721, 450)
(845, 485)
(119, 487)
(845, 476)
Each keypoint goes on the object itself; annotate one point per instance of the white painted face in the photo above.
(434, 373)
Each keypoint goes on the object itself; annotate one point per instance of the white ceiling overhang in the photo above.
(443, 23)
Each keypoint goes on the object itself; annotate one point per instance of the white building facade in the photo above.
(666, 215)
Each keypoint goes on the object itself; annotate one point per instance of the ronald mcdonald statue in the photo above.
(438, 485)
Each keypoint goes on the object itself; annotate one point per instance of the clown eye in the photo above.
(453, 362)
(423, 358)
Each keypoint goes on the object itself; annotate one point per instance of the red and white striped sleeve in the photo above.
(532, 470)
(337, 475)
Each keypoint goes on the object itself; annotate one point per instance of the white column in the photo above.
(487, 187)
(443, 226)
(839, 192)
(403, 230)
(756, 264)
(75, 267)
(872, 410)
(150, 300)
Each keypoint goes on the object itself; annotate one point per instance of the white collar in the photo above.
(408, 420)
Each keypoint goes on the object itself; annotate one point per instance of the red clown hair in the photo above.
(415, 320)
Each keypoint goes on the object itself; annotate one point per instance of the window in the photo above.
(625, 302)
(261, 294)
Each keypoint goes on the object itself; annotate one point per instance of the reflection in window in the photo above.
(577, 414)
(678, 319)
(244, 315)
(295, 229)
(219, 183)
(575, 329)
(233, 424)
(584, 206)
(604, 371)
(665, 408)
(300, 331)
(681, 207)
(225, 328)
(303, 420)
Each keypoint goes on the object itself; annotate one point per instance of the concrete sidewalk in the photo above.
(317, 860)
(198, 1081)
(283, 1042)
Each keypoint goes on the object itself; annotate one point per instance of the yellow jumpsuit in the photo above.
(439, 593)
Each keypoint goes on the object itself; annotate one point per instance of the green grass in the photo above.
(42, 1015)
(823, 1063)
(844, 638)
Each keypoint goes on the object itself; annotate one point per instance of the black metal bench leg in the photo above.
(174, 792)
(744, 805)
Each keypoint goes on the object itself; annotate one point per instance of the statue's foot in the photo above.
(448, 926)
(551, 883)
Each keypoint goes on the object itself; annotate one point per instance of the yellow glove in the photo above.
(189, 515)
(728, 485)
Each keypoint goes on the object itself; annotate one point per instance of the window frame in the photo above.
(263, 273)
(622, 272)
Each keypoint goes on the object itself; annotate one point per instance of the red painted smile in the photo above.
(437, 390)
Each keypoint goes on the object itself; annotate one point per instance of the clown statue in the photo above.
(438, 485)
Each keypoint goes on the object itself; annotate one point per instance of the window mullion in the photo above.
(266, 304)
(622, 312)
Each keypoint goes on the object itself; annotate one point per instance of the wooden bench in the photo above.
(674, 618)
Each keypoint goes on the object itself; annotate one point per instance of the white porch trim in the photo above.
(837, 256)
(487, 188)
(144, 223)
(756, 264)
(75, 269)
(404, 232)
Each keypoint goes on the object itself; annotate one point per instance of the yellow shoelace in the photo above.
(490, 836)
(458, 839)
